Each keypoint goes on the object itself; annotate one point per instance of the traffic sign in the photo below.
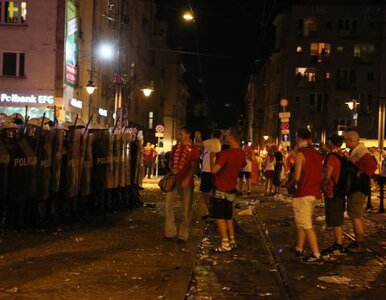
(283, 102)
(159, 128)
(285, 131)
(284, 115)
(159, 134)
(285, 137)
(285, 120)
(284, 125)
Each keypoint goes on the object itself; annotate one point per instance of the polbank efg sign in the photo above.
(15, 99)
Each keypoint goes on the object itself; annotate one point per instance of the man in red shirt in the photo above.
(334, 203)
(183, 162)
(307, 179)
(226, 170)
(149, 154)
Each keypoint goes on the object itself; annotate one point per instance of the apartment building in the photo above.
(326, 54)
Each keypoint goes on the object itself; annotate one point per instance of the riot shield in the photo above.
(86, 164)
(4, 163)
(43, 174)
(57, 136)
(110, 163)
(117, 158)
(72, 163)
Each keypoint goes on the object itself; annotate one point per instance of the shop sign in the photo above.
(31, 99)
(102, 112)
(76, 103)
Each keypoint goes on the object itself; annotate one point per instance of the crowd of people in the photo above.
(308, 173)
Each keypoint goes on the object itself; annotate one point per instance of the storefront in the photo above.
(32, 105)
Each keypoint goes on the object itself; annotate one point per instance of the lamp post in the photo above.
(188, 16)
(352, 105)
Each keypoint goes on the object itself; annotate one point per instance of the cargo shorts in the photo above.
(355, 205)
(303, 210)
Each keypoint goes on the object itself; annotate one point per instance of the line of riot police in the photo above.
(51, 173)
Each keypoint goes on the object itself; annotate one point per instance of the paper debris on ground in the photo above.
(337, 279)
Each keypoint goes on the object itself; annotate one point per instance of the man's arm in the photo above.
(198, 142)
(326, 177)
(299, 162)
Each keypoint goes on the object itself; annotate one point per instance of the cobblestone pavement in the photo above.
(119, 256)
(250, 272)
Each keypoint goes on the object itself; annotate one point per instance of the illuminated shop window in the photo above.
(320, 52)
(13, 12)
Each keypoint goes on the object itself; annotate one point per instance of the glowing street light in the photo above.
(266, 137)
(90, 87)
(188, 16)
(147, 91)
(106, 51)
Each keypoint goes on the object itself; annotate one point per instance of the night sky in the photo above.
(236, 33)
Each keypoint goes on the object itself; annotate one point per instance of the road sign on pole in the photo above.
(159, 128)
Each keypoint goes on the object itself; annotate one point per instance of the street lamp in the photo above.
(266, 137)
(352, 105)
(147, 91)
(188, 16)
(106, 51)
(90, 87)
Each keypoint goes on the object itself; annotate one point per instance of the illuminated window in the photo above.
(320, 52)
(364, 53)
(299, 49)
(327, 75)
(13, 12)
(307, 27)
(305, 76)
(12, 64)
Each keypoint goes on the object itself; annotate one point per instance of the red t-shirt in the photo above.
(186, 155)
(148, 154)
(231, 161)
(333, 162)
(311, 175)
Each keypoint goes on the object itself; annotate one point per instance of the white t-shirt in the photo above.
(211, 146)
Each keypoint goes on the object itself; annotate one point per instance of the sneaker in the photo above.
(312, 259)
(355, 247)
(335, 249)
(297, 252)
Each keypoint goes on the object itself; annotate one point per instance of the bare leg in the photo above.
(206, 198)
(230, 227)
(312, 240)
(301, 238)
(241, 184)
(338, 233)
(248, 185)
(359, 230)
(222, 228)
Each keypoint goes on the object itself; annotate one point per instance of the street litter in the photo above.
(301, 277)
(11, 290)
(79, 239)
(246, 212)
(150, 205)
(264, 294)
(337, 279)
(136, 278)
(321, 218)
(322, 287)
(226, 288)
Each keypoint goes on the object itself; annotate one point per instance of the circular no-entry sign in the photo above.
(283, 102)
(159, 128)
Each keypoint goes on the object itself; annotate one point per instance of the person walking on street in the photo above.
(269, 170)
(307, 179)
(366, 166)
(183, 162)
(334, 202)
(278, 172)
(226, 169)
(247, 170)
(210, 146)
(149, 154)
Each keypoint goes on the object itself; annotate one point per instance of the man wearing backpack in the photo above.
(334, 201)
(366, 166)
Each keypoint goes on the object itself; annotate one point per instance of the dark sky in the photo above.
(231, 31)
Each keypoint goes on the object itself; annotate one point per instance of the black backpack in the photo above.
(348, 179)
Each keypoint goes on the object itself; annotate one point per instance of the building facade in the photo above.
(326, 55)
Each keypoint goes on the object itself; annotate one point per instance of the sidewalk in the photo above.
(119, 256)
(250, 272)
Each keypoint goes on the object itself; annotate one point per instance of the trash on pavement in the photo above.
(322, 287)
(246, 212)
(12, 290)
(79, 239)
(226, 288)
(264, 294)
(320, 218)
(337, 279)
